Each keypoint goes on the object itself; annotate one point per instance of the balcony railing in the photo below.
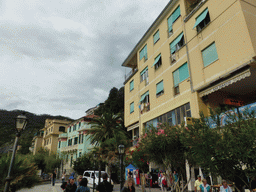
(130, 74)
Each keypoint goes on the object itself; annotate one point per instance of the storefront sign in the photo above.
(234, 102)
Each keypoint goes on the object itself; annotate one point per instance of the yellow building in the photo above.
(37, 142)
(52, 129)
(197, 54)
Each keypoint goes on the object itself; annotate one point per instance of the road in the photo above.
(56, 188)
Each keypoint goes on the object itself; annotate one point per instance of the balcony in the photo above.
(192, 6)
(69, 148)
(130, 75)
(63, 135)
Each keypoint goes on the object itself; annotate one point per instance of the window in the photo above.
(177, 43)
(87, 174)
(82, 138)
(71, 160)
(180, 75)
(144, 102)
(75, 140)
(158, 62)
(69, 142)
(59, 143)
(209, 54)
(143, 53)
(132, 107)
(156, 37)
(174, 16)
(202, 20)
(61, 129)
(131, 85)
(51, 129)
(144, 74)
(79, 139)
(80, 154)
(74, 127)
(160, 88)
(69, 129)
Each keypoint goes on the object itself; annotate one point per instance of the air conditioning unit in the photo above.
(173, 58)
(146, 81)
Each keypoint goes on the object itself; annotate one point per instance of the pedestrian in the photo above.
(225, 187)
(78, 180)
(83, 186)
(205, 187)
(129, 185)
(71, 186)
(105, 186)
(198, 182)
(53, 177)
(175, 176)
(63, 176)
(164, 184)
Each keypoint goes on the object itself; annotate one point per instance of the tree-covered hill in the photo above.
(7, 127)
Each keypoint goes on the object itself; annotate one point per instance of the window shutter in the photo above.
(159, 87)
(209, 54)
(156, 36)
(131, 107)
(131, 85)
(142, 72)
(174, 43)
(183, 72)
(156, 60)
(201, 17)
(176, 79)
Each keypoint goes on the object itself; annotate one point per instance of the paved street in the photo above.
(56, 188)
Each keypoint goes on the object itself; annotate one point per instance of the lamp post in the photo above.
(21, 122)
(93, 185)
(121, 153)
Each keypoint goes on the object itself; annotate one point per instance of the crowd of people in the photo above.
(80, 184)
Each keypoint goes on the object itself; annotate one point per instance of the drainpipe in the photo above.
(188, 60)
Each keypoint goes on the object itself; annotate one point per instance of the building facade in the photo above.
(74, 142)
(37, 142)
(51, 131)
(197, 54)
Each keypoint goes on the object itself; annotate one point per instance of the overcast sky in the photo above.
(63, 57)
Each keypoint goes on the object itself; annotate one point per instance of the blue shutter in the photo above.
(183, 72)
(131, 85)
(209, 54)
(143, 53)
(144, 95)
(159, 87)
(174, 43)
(201, 17)
(132, 107)
(156, 36)
(176, 79)
(141, 73)
(156, 60)
(175, 15)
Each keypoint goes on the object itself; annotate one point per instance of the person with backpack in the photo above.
(104, 186)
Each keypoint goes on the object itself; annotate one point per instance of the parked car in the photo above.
(89, 175)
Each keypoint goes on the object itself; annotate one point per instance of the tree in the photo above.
(105, 127)
(228, 151)
(24, 171)
(83, 163)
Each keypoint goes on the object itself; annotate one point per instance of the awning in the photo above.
(144, 95)
(142, 72)
(175, 42)
(226, 83)
(156, 60)
(136, 125)
(201, 17)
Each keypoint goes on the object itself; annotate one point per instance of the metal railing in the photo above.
(130, 74)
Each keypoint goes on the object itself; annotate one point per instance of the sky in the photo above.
(63, 57)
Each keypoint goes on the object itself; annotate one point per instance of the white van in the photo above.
(89, 176)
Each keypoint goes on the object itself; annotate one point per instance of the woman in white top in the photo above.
(225, 187)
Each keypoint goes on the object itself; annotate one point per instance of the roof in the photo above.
(130, 166)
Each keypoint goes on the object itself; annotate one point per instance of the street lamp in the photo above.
(21, 122)
(93, 185)
(121, 153)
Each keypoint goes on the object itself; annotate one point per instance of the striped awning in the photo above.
(227, 82)
(136, 125)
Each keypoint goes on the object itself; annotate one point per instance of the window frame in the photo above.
(145, 56)
(204, 22)
(130, 107)
(157, 32)
(144, 76)
(130, 85)
(206, 49)
(170, 32)
(161, 92)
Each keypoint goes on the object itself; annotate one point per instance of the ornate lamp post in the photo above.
(121, 153)
(21, 122)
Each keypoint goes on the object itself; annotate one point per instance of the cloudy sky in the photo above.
(63, 57)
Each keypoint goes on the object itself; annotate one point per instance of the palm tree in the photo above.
(106, 127)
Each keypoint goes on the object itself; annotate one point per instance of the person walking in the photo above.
(205, 187)
(104, 186)
(164, 184)
(225, 187)
(71, 186)
(129, 185)
(53, 176)
(198, 182)
(78, 180)
(83, 186)
(63, 176)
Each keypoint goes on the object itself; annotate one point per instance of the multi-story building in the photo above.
(91, 110)
(51, 131)
(197, 54)
(74, 142)
(37, 142)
